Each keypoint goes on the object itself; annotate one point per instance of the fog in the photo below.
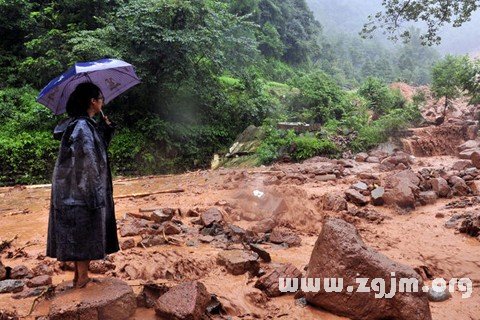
(348, 16)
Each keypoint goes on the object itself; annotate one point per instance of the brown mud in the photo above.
(292, 196)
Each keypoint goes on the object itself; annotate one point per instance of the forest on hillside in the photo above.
(209, 69)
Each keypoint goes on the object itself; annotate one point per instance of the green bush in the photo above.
(304, 147)
(380, 98)
(278, 143)
(391, 124)
(320, 99)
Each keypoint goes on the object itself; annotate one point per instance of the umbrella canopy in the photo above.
(112, 76)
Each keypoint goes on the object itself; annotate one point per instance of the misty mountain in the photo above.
(348, 16)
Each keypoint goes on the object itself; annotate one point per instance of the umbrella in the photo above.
(112, 76)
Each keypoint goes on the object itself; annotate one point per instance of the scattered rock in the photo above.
(339, 250)
(460, 187)
(372, 160)
(356, 197)
(361, 157)
(455, 220)
(206, 239)
(269, 283)
(21, 272)
(264, 226)
(440, 215)
(131, 271)
(127, 244)
(360, 186)
(262, 253)
(42, 269)
(471, 225)
(440, 186)
(129, 230)
(151, 241)
(162, 215)
(239, 261)
(11, 286)
(475, 157)
(284, 235)
(101, 266)
(150, 294)
(401, 189)
(333, 202)
(171, 228)
(462, 165)
(106, 299)
(325, 177)
(470, 144)
(377, 196)
(438, 296)
(427, 197)
(39, 281)
(466, 154)
(210, 216)
(187, 301)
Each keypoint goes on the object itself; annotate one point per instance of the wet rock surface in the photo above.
(338, 251)
(285, 236)
(107, 299)
(239, 261)
(187, 301)
(269, 283)
(11, 286)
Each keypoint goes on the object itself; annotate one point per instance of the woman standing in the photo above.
(82, 225)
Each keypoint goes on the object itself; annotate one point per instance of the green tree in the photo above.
(380, 97)
(435, 14)
(448, 77)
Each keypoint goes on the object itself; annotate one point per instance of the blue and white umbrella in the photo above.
(112, 76)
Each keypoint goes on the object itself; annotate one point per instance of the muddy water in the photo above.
(416, 239)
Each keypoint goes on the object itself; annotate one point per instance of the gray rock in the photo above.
(11, 286)
(360, 186)
(377, 196)
(436, 296)
(356, 197)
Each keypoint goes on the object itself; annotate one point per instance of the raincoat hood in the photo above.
(62, 126)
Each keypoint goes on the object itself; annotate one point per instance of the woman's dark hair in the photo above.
(79, 100)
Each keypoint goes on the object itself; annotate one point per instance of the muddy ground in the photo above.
(292, 196)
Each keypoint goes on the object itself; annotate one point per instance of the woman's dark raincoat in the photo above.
(82, 222)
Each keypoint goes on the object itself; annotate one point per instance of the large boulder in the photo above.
(106, 299)
(402, 189)
(341, 253)
(187, 301)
